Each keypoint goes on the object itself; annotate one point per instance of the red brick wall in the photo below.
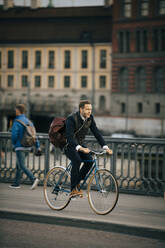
(149, 62)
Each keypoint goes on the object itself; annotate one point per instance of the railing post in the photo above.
(47, 155)
(113, 160)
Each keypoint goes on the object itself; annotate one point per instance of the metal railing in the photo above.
(138, 164)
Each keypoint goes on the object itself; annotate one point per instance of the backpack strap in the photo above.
(23, 122)
(80, 127)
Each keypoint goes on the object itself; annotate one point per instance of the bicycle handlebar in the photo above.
(98, 153)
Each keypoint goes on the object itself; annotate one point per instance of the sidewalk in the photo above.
(134, 214)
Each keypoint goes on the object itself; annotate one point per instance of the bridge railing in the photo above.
(138, 164)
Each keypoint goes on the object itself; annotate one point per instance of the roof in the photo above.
(55, 25)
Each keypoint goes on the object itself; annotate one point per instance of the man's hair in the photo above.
(83, 102)
(21, 108)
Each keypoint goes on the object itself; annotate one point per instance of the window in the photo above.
(103, 58)
(127, 8)
(162, 39)
(145, 41)
(51, 95)
(37, 81)
(67, 82)
(140, 78)
(0, 59)
(84, 59)
(83, 97)
(102, 103)
(159, 39)
(123, 79)
(67, 59)
(121, 42)
(83, 81)
(144, 8)
(10, 81)
(127, 42)
(124, 41)
(139, 107)
(51, 82)
(24, 59)
(141, 41)
(10, 59)
(51, 62)
(37, 59)
(161, 8)
(157, 108)
(24, 81)
(102, 81)
(159, 79)
(123, 108)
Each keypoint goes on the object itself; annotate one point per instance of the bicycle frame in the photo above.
(68, 170)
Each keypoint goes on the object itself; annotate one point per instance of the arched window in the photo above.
(102, 103)
(123, 79)
(140, 80)
(159, 80)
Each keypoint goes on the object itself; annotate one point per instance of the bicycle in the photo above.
(102, 189)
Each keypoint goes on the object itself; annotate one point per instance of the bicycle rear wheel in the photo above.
(103, 192)
(57, 188)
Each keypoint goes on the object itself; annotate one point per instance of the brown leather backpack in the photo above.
(57, 132)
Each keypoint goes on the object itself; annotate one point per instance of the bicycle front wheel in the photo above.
(103, 192)
(57, 188)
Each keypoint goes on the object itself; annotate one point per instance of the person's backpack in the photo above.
(57, 132)
(29, 136)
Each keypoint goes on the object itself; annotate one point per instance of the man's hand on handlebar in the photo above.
(109, 151)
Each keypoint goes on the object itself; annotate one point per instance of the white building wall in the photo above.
(149, 127)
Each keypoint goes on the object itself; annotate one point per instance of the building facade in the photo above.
(51, 58)
(138, 59)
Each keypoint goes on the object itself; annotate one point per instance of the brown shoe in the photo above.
(75, 192)
(81, 192)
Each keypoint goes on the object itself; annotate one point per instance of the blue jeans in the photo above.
(20, 167)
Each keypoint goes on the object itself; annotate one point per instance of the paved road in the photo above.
(134, 214)
(21, 234)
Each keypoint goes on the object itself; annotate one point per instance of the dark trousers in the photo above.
(76, 158)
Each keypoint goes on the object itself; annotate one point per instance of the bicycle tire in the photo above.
(103, 192)
(56, 189)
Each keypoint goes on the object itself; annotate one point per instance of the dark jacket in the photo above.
(73, 124)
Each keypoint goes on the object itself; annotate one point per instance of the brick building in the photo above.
(138, 59)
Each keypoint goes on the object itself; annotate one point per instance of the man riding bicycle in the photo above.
(77, 126)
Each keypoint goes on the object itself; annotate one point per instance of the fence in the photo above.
(138, 164)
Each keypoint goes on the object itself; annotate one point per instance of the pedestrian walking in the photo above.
(18, 130)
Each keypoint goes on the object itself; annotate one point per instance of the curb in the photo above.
(89, 224)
